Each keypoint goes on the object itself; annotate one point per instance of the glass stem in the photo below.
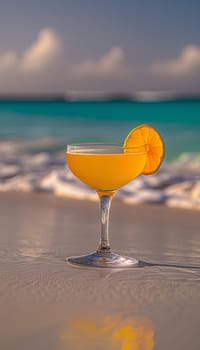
(105, 202)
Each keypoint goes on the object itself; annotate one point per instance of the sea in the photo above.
(34, 135)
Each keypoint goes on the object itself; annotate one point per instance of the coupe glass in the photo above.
(106, 167)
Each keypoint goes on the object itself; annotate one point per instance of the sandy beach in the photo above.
(48, 304)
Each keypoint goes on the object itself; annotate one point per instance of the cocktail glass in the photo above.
(106, 167)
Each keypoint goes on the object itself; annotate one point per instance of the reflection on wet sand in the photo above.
(108, 332)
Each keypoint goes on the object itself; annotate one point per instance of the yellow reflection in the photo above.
(108, 333)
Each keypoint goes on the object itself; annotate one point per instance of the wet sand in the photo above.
(47, 304)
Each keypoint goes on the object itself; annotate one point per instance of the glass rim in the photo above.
(77, 147)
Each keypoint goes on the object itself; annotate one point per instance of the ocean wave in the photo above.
(38, 165)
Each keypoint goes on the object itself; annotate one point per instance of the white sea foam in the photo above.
(34, 166)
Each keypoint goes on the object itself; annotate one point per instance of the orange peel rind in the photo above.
(149, 136)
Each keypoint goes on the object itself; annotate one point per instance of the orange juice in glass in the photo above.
(106, 167)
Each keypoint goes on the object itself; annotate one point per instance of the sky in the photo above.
(99, 46)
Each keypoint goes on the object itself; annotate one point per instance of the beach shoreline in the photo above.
(40, 166)
(84, 205)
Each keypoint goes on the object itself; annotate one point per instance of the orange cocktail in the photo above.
(106, 167)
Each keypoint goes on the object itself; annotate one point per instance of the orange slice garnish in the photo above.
(147, 135)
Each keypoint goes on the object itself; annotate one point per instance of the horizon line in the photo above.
(98, 96)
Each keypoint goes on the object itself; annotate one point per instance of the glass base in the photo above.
(104, 259)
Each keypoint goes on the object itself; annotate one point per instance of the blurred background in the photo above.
(92, 70)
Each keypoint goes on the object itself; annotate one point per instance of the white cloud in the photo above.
(42, 52)
(187, 62)
(107, 64)
(37, 57)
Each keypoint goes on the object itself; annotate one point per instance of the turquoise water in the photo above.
(178, 121)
